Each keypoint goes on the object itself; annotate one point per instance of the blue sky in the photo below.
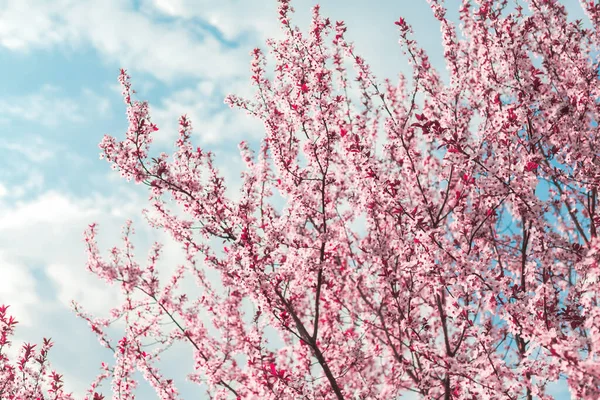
(59, 60)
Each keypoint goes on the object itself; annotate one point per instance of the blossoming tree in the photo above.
(476, 275)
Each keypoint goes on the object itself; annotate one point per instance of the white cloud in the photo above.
(18, 289)
(46, 107)
(31, 23)
(232, 18)
(32, 180)
(50, 208)
(120, 34)
(100, 104)
(47, 232)
(212, 121)
(76, 283)
(35, 148)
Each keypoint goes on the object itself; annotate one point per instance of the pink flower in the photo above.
(531, 166)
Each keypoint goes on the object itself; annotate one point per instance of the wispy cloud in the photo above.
(35, 148)
(27, 24)
(49, 107)
(232, 19)
(96, 102)
(18, 289)
(119, 33)
(213, 122)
